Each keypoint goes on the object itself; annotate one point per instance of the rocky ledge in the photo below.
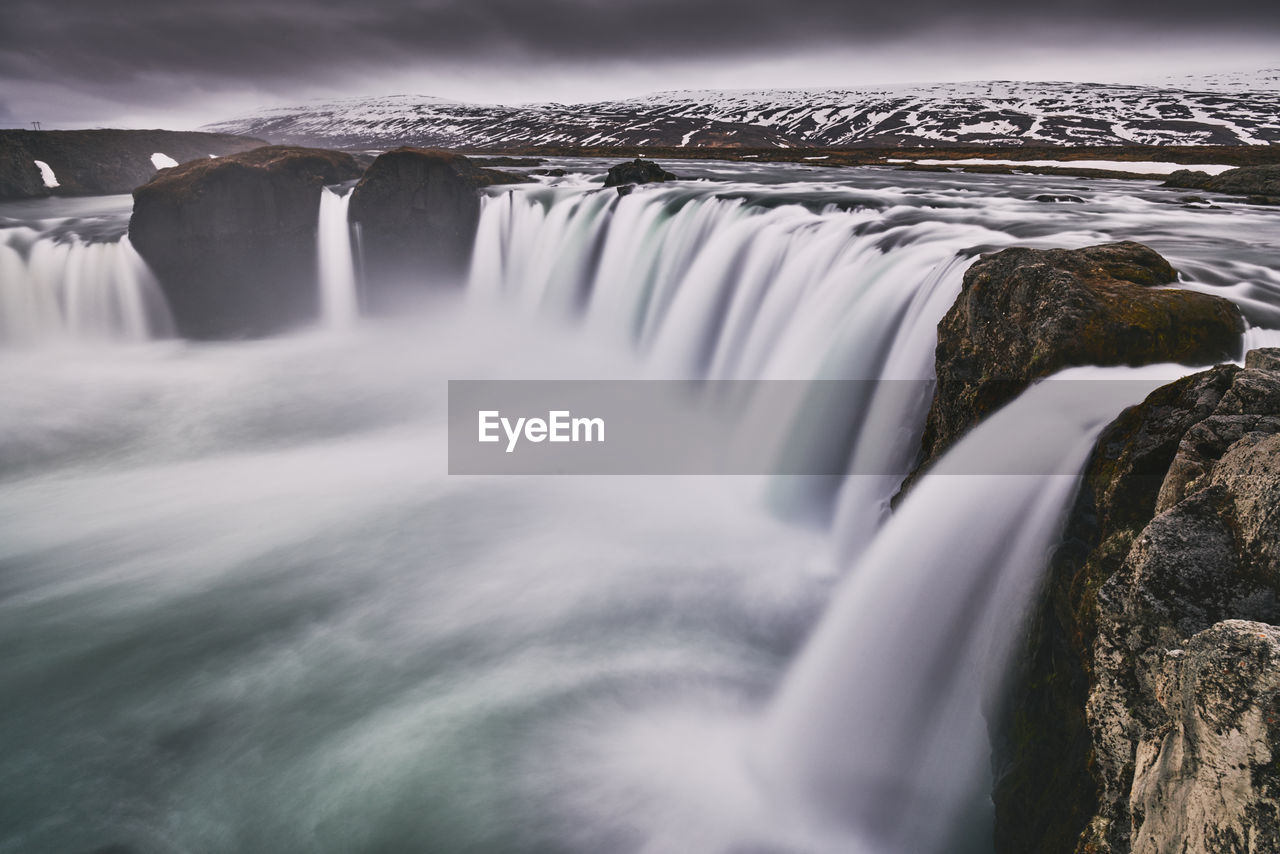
(1146, 713)
(1260, 184)
(233, 240)
(91, 162)
(1142, 715)
(417, 210)
(1024, 314)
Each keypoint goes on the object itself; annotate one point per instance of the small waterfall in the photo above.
(878, 725)
(338, 303)
(64, 287)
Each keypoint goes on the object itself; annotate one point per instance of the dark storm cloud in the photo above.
(96, 48)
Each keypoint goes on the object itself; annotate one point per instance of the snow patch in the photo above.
(996, 128)
(46, 173)
(164, 161)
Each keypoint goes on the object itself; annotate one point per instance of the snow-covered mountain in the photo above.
(1264, 80)
(1230, 110)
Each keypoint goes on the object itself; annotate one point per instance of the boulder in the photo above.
(636, 172)
(1188, 179)
(417, 210)
(233, 240)
(1024, 314)
(1144, 712)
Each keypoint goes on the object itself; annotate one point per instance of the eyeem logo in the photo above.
(558, 426)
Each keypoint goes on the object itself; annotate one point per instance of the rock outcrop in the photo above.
(233, 240)
(1260, 183)
(1188, 179)
(92, 162)
(1145, 716)
(636, 171)
(19, 175)
(1207, 782)
(1024, 314)
(417, 210)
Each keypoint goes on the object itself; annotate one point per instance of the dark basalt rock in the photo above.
(417, 210)
(1058, 198)
(1248, 181)
(1257, 182)
(89, 162)
(233, 240)
(1024, 314)
(19, 175)
(636, 172)
(1145, 714)
(1188, 179)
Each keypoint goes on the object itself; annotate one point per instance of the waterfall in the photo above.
(709, 286)
(719, 288)
(878, 725)
(338, 306)
(877, 732)
(65, 287)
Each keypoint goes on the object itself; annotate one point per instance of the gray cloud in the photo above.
(156, 52)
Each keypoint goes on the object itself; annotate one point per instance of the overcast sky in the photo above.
(173, 63)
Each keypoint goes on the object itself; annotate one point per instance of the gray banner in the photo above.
(830, 428)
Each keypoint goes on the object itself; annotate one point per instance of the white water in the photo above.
(716, 288)
(248, 610)
(66, 288)
(338, 300)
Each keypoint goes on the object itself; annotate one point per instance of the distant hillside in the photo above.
(1239, 110)
(91, 162)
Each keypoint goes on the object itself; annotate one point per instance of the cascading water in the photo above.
(338, 298)
(60, 287)
(879, 724)
(248, 609)
(716, 288)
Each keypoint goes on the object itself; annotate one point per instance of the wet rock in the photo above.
(1058, 198)
(233, 240)
(1256, 182)
(636, 172)
(417, 210)
(1248, 181)
(1188, 179)
(1143, 712)
(1024, 314)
